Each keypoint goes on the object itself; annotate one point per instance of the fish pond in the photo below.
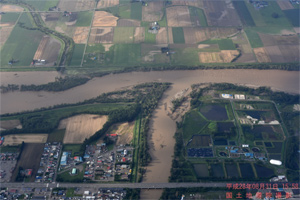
(263, 172)
(246, 170)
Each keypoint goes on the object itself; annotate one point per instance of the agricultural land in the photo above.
(110, 35)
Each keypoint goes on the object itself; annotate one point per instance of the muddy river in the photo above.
(162, 127)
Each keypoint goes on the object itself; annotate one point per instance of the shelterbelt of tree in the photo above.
(67, 42)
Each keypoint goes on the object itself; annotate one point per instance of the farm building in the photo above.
(154, 27)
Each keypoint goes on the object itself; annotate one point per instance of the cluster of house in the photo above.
(259, 4)
(48, 163)
(8, 156)
(117, 194)
(154, 27)
(293, 2)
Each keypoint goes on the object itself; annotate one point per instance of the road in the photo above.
(113, 185)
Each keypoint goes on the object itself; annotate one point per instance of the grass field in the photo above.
(124, 11)
(198, 14)
(123, 35)
(294, 16)
(77, 55)
(84, 18)
(136, 11)
(21, 45)
(66, 177)
(9, 17)
(43, 5)
(243, 12)
(253, 38)
(126, 53)
(224, 44)
(150, 37)
(56, 136)
(178, 35)
(185, 56)
(10, 149)
(192, 124)
(263, 17)
(74, 148)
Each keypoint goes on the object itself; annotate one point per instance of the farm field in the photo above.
(14, 140)
(10, 124)
(30, 159)
(124, 132)
(231, 32)
(80, 127)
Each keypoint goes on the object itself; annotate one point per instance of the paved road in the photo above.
(112, 185)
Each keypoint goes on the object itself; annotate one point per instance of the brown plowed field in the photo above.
(221, 13)
(225, 56)
(41, 47)
(285, 4)
(101, 35)
(5, 33)
(11, 8)
(153, 12)
(30, 159)
(81, 126)
(48, 50)
(102, 18)
(128, 22)
(261, 55)
(272, 40)
(27, 138)
(76, 5)
(139, 34)
(290, 52)
(161, 37)
(80, 35)
(170, 35)
(196, 35)
(178, 16)
(274, 54)
(195, 3)
(107, 3)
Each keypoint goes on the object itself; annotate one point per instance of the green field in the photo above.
(192, 124)
(56, 136)
(150, 37)
(67, 177)
(253, 38)
(9, 17)
(197, 13)
(243, 12)
(84, 18)
(94, 48)
(77, 55)
(136, 11)
(75, 148)
(263, 17)
(126, 53)
(42, 5)
(294, 16)
(21, 45)
(224, 44)
(123, 34)
(124, 11)
(185, 56)
(178, 35)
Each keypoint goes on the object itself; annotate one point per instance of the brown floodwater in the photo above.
(162, 130)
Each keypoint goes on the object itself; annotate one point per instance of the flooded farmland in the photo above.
(162, 127)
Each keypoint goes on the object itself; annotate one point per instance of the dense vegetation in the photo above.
(60, 84)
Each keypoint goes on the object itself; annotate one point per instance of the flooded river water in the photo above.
(162, 127)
